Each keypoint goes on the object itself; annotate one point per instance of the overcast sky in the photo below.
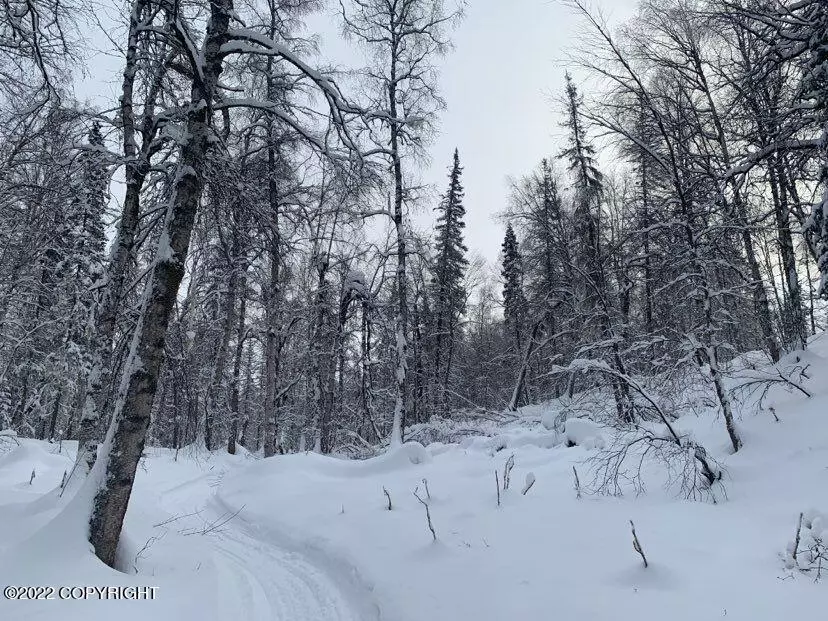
(499, 82)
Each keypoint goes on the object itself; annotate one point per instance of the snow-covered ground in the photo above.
(307, 537)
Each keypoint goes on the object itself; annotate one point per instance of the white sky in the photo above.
(499, 83)
(508, 63)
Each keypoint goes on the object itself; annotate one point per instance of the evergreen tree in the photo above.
(588, 186)
(449, 289)
(594, 296)
(814, 25)
(537, 208)
(554, 248)
(86, 215)
(82, 267)
(514, 301)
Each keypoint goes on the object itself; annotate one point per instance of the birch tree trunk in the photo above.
(402, 405)
(127, 433)
(99, 380)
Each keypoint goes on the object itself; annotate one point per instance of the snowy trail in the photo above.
(265, 576)
(266, 582)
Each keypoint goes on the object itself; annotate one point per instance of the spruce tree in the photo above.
(449, 289)
(588, 187)
(514, 301)
(82, 268)
(85, 220)
(814, 27)
(594, 296)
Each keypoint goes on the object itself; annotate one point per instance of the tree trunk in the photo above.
(524, 367)
(237, 360)
(228, 318)
(402, 404)
(271, 352)
(127, 433)
(796, 320)
(111, 286)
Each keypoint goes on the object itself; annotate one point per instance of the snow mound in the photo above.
(808, 552)
(584, 432)
(17, 465)
(515, 439)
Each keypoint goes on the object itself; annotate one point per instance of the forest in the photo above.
(228, 256)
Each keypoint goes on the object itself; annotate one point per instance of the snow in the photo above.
(306, 536)
(583, 432)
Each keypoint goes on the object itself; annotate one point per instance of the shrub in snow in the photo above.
(808, 552)
(8, 441)
(687, 464)
(458, 430)
(553, 419)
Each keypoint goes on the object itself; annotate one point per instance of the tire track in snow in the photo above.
(266, 576)
(316, 585)
(266, 582)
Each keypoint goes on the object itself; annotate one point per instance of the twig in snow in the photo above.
(577, 484)
(32, 478)
(530, 481)
(175, 518)
(428, 513)
(637, 545)
(63, 480)
(215, 525)
(507, 471)
(497, 484)
(425, 484)
(796, 539)
(388, 496)
(146, 547)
